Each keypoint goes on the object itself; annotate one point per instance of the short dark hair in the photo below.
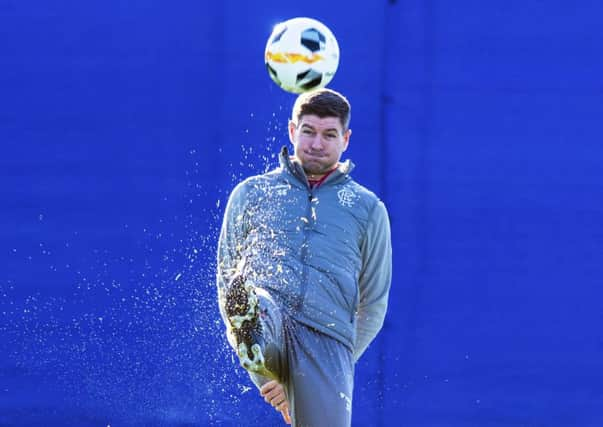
(322, 103)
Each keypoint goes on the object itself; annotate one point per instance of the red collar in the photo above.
(315, 183)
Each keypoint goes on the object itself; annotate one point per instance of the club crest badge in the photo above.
(347, 197)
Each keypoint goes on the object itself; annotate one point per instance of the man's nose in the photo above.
(317, 141)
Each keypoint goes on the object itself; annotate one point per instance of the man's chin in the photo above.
(312, 168)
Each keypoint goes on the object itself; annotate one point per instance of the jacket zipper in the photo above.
(308, 221)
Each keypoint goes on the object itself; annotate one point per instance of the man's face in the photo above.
(318, 142)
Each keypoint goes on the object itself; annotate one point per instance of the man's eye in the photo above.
(307, 131)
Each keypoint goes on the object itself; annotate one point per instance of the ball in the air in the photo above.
(302, 54)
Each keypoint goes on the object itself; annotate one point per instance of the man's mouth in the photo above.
(315, 155)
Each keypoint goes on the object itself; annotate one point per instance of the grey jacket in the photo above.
(323, 253)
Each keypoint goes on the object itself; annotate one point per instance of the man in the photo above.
(304, 269)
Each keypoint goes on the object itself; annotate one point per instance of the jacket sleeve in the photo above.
(232, 234)
(374, 280)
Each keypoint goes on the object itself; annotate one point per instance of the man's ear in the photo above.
(346, 138)
(292, 127)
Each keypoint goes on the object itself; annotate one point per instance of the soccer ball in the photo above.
(302, 54)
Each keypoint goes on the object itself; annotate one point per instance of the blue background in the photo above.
(124, 126)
